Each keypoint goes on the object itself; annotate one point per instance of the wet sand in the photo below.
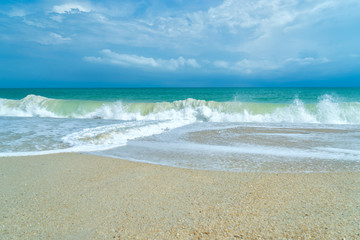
(79, 196)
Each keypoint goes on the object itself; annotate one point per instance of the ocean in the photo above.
(227, 129)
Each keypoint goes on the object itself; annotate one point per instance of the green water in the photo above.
(235, 129)
(257, 95)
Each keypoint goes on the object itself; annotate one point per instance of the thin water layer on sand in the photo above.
(250, 147)
(273, 130)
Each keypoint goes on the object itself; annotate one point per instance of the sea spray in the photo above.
(222, 129)
(326, 110)
(118, 134)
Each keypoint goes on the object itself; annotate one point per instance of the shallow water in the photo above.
(265, 129)
(250, 147)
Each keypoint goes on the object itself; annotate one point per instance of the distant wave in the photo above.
(327, 110)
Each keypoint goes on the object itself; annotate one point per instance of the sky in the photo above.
(178, 43)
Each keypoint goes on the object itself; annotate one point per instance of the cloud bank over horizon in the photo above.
(141, 61)
(249, 40)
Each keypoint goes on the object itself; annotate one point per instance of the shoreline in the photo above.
(82, 196)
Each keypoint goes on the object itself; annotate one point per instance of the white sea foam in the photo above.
(120, 122)
(115, 135)
(327, 110)
(289, 154)
(29, 106)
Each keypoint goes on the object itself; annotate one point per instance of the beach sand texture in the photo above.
(79, 196)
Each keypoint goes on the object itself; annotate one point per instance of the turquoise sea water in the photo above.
(235, 129)
(260, 95)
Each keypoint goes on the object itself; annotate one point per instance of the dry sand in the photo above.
(79, 196)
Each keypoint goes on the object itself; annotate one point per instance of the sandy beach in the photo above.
(79, 196)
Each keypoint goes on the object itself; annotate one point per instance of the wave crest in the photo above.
(326, 110)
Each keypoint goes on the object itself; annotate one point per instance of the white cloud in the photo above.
(255, 27)
(94, 59)
(250, 66)
(221, 64)
(141, 61)
(70, 8)
(53, 39)
(100, 18)
(267, 14)
(32, 23)
(247, 66)
(247, 14)
(56, 36)
(263, 35)
(307, 60)
(57, 18)
(16, 12)
(231, 16)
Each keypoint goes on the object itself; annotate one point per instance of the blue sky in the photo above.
(173, 43)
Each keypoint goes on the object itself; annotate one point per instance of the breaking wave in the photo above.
(327, 110)
(59, 125)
